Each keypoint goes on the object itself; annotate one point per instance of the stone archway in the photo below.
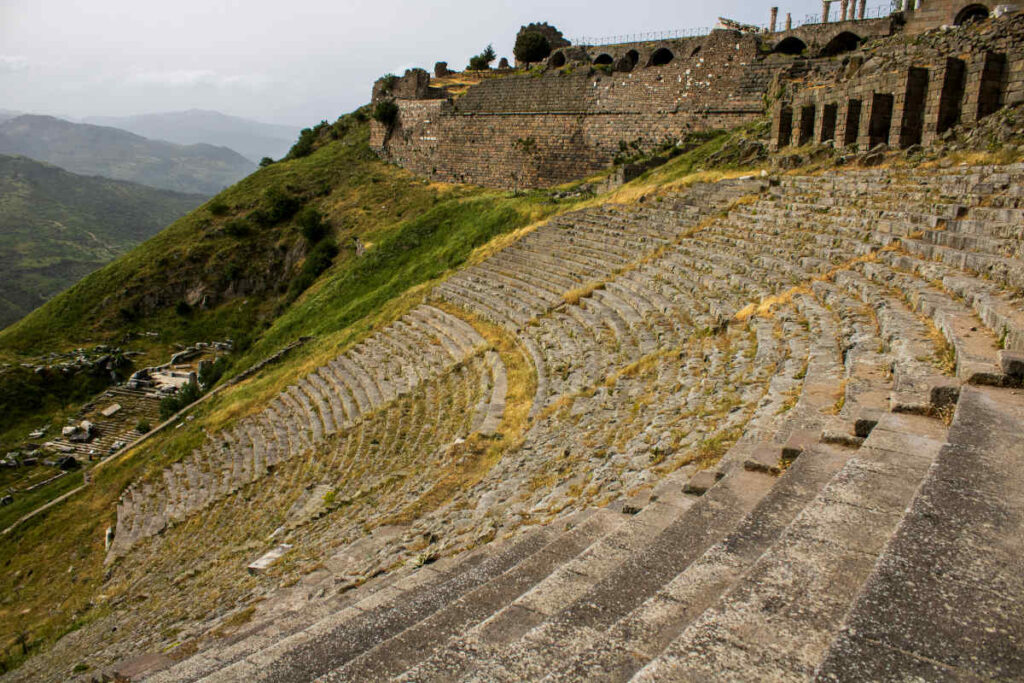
(844, 42)
(790, 46)
(971, 13)
(661, 57)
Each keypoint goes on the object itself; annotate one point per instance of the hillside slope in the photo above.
(246, 270)
(252, 139)
(118, 154)
(56, 227)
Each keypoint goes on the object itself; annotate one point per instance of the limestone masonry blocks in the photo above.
(909, 97)
(572, 116)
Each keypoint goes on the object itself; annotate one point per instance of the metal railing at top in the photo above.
(876, 12)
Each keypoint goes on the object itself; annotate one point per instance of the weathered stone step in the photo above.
(334, 641)
(642, 634)
(778, 621)
(501, 654)
(393, 656)
(944, 600)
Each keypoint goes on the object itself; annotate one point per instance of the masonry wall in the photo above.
(908, 96)
(538, 130)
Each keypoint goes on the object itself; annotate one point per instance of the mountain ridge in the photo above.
(120, 155)
(250, 138)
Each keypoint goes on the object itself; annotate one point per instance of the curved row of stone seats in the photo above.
(827, 360)
(413, 436)
(431, 626)
(565, 609)
(331, 398)
(845, 339)
(530, 277)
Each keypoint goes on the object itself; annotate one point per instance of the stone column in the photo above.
(863, 8)
(844, 9)
(775, 19)
(789, 21)
(825, 6)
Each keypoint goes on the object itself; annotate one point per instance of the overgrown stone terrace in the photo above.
(762, 428)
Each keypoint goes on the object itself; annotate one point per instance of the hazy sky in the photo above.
(284, 61)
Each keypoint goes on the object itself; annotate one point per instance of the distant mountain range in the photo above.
(113, 153)
(252, 139)
(56, 227)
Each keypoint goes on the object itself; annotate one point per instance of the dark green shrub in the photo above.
(311, 223)
(387, 82)
(303, 147)
(318, 260)
(187, 395)
(143, 427)
(531, 47)
(278, 205)
(266, 161)
(386, 112)
(238, 227)
(183, 309)
(212, 372)
(218, 208)
(482, 61)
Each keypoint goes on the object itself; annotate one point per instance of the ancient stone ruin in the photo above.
(571, 118)
(763, 428)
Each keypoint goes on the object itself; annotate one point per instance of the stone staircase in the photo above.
(737, 462)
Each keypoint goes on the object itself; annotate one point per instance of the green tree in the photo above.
(531, 47)
(482, 61)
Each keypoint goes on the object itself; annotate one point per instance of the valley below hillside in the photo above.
(120, 155)
(57, 227)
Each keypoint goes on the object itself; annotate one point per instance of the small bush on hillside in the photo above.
(306, 143)
(278, 206)
(212, 372)
(183, 309)
(143, 427)
(303, 147)
(218, 208)
(187, 395)
(311, 223)
(318, 260)
(238, 227)
(386, 112)
(482, 61)
(531, 47)
(266, 161)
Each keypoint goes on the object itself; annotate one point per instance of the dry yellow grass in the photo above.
(478, 454)
(574, 296)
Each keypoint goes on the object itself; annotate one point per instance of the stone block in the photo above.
(1012, 364)
(764, 458)
(799, 442)
(701, 482)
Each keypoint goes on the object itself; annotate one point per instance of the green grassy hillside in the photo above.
(245, 265)
(57, 227)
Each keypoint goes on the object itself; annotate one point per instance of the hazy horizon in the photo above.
(291, 64)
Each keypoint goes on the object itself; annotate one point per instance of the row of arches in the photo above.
(846, 41)
(628, 61)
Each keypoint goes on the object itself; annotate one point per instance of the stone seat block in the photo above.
(764, 458)
(701, 482)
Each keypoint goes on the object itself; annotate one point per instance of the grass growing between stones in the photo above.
(478, 454)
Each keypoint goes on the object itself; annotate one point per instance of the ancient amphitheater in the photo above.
(766, 428)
